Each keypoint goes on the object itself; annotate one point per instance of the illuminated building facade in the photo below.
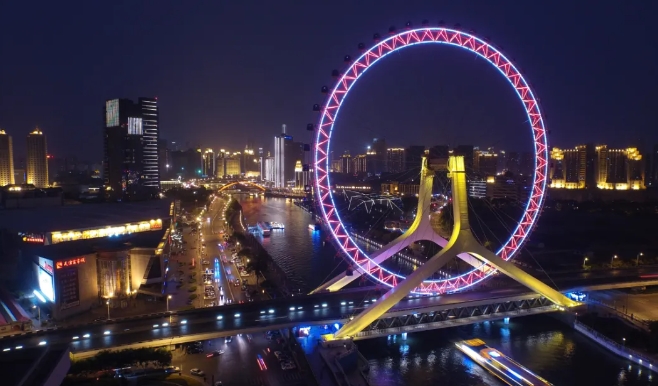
(360, 163)
(269, 168)
(130, 145)
(303, 176)
(587, 166)
(150, 138)
(346, 165)
(209, 163)
(568, 168)
(37, 159)
(79, 256)
(280, 142)
(485, 163)
(6, 159)
(228, 165)
(395, 160)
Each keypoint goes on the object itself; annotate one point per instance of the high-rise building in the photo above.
(269, 168)
(6, 159)
(151, 127)
(286, 154)
(37, 159)
(346, 163)
(209, 163)
(485, 163)
(527, 164)
(302, 177)
(413, 156)
(395, 160)
(512, 162)
(624, 169)
(131, 134)
(377, 156)
(568, 167)
(280, 158)
(360, 163)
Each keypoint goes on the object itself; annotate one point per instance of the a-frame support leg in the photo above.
(461, 240)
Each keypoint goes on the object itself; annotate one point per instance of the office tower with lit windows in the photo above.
(280, 142)
(395, 159)
(37, 159)
(268, 168)
(151, 127)
(131, 142)
(6, 159)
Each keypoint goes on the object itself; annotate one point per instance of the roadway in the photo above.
(256, 316)
(239, 364)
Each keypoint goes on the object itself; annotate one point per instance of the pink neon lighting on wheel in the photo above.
(329, 114)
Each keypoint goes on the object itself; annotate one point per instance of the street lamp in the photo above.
(585, 262)
(168, 297)
(108, 308)
(637, 258)
(623, 340)
(612, 260)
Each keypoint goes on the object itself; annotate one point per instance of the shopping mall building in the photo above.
(80, 256)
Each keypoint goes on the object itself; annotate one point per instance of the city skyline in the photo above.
(476, 102)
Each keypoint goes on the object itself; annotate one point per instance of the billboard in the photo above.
(112, 113)
(69, 288)
(45, 278)
(135, 126)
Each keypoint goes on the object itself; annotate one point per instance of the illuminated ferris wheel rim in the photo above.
(329, 114)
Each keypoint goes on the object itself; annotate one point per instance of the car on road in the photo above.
(228, 339)
(172, 369)
(287, 365)
(197, 372)
(215, 353)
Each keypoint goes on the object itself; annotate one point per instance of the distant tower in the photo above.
(37, 159)
(6, 159)
(280, 158)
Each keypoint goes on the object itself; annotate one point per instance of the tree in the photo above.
(257, 263)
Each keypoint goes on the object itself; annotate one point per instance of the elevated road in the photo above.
(324, 308)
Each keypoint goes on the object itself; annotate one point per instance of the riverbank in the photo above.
(274, 274)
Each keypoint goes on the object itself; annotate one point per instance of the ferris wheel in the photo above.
(328, 116)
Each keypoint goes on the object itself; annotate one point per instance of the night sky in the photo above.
(226, 72)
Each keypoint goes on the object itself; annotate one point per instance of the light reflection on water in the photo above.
(540, 343)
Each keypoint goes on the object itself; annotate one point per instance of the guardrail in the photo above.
(632, 319)
(619, 349)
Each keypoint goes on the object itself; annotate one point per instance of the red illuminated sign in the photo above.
(35, 239)
(69, 263)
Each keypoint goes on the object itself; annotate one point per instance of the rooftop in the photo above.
(69, 217)
(149, 239)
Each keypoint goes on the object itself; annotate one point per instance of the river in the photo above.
(542, 344)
